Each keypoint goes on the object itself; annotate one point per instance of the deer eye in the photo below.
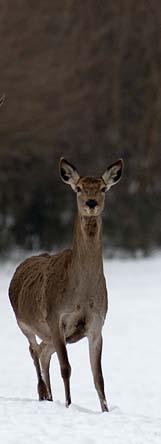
(78, 189)
(103, 189)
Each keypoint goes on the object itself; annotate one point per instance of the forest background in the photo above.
(82, 80)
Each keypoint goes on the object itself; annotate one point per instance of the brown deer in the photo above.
(62, 298)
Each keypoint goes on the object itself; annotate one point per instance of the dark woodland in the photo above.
(82, 80)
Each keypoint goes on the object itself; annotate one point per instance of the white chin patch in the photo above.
(92, 212)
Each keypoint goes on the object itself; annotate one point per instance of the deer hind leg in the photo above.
(45, 353)
(41, 386)
(95, 351)
(34, 352)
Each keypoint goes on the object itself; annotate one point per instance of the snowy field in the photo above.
(131, 365)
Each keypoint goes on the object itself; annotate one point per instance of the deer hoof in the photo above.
(104, 406)
(67, 403)
(42, 391)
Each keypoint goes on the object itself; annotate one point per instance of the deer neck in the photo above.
(87, 244)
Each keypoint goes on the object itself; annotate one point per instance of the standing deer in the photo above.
(62, 298)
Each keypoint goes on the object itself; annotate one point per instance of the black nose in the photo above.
(91, 203)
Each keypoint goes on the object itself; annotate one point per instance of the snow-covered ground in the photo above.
(131, 364)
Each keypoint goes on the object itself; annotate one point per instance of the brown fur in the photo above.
(62, 298)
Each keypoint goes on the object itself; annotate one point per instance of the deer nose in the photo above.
(91, 203)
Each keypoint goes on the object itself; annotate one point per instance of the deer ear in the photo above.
(68, 173)
(113, 174)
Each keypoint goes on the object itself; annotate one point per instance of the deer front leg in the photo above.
(64, 367)
(95, 352)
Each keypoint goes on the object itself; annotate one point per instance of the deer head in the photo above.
(90, 191)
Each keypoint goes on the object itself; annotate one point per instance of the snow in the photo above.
(131, 366)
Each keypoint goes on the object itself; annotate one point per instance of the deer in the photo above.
(62, 298)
